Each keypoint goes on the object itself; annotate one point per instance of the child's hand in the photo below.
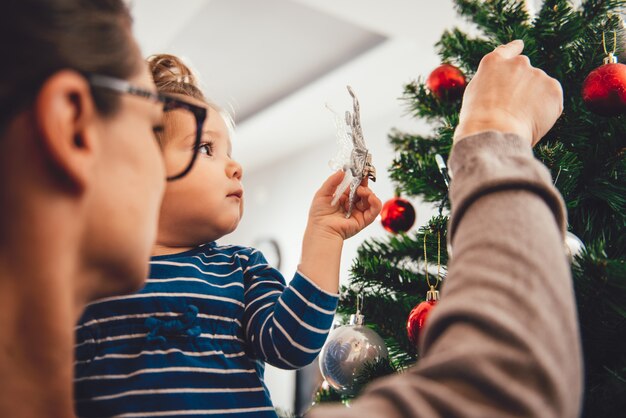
(328, 227)
(331, 221)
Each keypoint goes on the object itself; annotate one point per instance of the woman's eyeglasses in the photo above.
(169, 103)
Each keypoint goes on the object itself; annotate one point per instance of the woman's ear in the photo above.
(65, 116)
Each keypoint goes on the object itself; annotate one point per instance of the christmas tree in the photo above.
(585, 151)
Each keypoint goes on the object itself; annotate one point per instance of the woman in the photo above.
(81, 180)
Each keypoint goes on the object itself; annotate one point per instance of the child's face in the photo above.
(207, 203)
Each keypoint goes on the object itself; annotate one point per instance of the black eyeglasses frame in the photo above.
(169, 103)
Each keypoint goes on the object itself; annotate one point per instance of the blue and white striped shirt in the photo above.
(194, 341)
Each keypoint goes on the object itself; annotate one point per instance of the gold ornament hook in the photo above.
(610, 56)
(431, 286)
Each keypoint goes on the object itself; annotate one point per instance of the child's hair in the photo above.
(172, 76)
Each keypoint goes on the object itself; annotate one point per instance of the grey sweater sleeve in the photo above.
(504, 340)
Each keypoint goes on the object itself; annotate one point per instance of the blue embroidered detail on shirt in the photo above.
(186, 325)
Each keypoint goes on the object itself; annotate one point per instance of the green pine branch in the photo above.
(455, 43)
(414, 170)
(501, 20)
(390, 274)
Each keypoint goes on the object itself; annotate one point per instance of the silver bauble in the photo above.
(347, 350)
(573, 246)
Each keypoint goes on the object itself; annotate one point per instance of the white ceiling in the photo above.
(277, 62)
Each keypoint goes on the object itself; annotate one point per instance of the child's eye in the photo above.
(206, 148)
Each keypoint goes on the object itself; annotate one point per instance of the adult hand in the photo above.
(509, 95)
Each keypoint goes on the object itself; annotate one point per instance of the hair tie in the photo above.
(184, 79)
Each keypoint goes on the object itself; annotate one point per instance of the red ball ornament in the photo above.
(397, 215)
(417, 317)
(447, 83)
(604, 89)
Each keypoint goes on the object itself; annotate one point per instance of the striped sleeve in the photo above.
(286, 326)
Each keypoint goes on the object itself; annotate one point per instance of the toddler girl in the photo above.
(194, 341)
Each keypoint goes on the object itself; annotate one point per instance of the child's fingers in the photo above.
(361, 204)
(363, 192)
(330, 185)
(376, 205)
(358, 196)
(368, 202)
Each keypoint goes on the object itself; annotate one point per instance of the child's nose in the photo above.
(234, 169)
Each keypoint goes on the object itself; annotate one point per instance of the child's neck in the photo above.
(162, 249)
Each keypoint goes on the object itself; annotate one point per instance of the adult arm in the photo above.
(504, 339)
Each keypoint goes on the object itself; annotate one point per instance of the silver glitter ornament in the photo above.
(353, 157)
(573, 246)
(348, 349)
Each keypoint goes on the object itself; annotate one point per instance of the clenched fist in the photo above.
(509, 95)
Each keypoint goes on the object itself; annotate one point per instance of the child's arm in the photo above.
(287, 326)
(328, 227)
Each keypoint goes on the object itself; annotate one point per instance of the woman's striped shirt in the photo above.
(194, 341)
